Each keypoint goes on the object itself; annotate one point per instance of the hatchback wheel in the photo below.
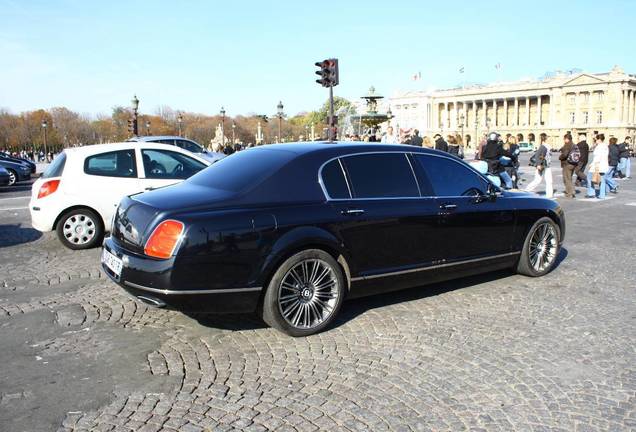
(80, 229)
(13, 177)
(305, 293)
(540, 249)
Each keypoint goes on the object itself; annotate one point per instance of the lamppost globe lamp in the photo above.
(279, 107)
(135, 103)
(223, 127)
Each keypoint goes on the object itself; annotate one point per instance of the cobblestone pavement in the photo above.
(499, 352)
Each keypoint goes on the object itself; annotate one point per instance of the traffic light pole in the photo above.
(331, 125)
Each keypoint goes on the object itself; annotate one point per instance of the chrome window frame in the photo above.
(406, 154)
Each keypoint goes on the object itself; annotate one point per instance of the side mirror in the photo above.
(492, 191)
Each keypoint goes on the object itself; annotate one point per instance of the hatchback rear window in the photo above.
(56, 168)
(242, 169)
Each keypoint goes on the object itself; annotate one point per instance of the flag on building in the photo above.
(417, 76)
(498, 66)
(461, 69)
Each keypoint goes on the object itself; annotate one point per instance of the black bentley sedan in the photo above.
(291, 230)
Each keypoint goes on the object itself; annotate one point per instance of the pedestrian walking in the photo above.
(416, 139)
(598, 168)
(492, 153)
(613, 159)
(584, 149)
(453, 146)
(511, 159)
(542, 171)
(479, 150)
(569, 157)
(427, 142)
(624, 162)
(440, 144)
(389, 137)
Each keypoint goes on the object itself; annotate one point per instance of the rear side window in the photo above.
(189, 146)
(120, 163)
(334, 181)
(450, 178)
(56, 168)
(381, 175)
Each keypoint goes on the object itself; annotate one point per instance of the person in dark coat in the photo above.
(584, 149)
(440, 144)
(491, 153)
(624, 164)
(613, 159)
(567, 168)
(416, 139)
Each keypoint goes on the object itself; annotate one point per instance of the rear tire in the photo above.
(540, 249)
(305, 294)
(80, 228)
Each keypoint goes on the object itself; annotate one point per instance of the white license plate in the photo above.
(112, 262)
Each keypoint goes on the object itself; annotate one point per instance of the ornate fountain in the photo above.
(370, 120)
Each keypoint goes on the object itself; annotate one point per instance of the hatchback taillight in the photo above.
(48, 187)
(164, 239)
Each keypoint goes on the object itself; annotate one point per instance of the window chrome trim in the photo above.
(324, 189)
(177, 292)
(434, 267)
(344, 175)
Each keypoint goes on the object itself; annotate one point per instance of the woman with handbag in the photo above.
(598, 168)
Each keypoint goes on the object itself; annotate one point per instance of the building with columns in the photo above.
(583, 102)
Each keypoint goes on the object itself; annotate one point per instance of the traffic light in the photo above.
(328, 72)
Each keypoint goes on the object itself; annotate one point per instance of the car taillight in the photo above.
(47, 188)
(164, 239)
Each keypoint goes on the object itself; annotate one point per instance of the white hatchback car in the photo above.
(78, 193)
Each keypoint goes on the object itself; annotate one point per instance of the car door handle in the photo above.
(448, 206)
(352, 212)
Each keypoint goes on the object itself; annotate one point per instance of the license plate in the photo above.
(112, 262)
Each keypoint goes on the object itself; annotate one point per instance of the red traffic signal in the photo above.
(328, 72)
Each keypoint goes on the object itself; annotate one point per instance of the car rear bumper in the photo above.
(151, 281)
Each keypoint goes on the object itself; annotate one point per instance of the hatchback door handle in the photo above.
(448, 206)
(353, 212)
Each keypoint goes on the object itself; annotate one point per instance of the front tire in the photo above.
(540, 249)
(80, 229)
(305, 294)
(13, 178)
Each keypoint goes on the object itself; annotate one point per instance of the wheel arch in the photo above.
(76, 207)
(300, 239)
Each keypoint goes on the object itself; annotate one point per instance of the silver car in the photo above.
(186, 144)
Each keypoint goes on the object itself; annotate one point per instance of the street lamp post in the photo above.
(179, 121)
(233, 133)
(222, 127)
(135, 107)
(45, 124)
(279, 114)
(461, 127)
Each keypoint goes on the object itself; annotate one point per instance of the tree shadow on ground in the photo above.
(15, 234)
(351, 309)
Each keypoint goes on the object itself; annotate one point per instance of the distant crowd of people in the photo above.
(29, 154)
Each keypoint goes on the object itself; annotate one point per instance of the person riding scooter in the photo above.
(492, 153)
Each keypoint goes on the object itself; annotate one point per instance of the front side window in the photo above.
(120, 163)
(334, 181)
(381, 175)
(189, 146)
(450, 178)
(166, 164)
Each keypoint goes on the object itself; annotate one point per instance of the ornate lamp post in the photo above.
(279, 114)
(45, 124)
(461, 127)
(222, 126)
(233, 133)
(179, 121)
(135, 107)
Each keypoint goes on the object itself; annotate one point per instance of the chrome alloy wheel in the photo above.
(79, 229)
(308, 294)
(543, 247)
(12, 178)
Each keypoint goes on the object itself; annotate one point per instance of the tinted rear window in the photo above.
(112, 164)
(381, 175)
(242, 169)
(334, 180)
(56, 168)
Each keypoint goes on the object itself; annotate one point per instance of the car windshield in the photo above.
(240, 170)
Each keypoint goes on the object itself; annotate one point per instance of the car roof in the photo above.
(344, 147)
(151, 138)
(101, 148)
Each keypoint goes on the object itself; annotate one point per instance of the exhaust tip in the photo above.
(154, 302)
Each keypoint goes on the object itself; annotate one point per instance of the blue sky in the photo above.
(247, 55)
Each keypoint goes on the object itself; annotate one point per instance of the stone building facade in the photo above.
(590, 103)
